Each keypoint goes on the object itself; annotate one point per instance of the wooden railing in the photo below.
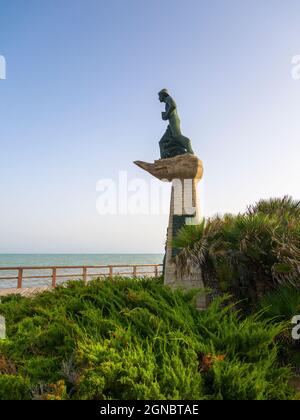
(111, 271)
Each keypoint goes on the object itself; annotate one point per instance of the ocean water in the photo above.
(59, 260)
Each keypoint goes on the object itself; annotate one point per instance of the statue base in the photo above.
(184, 172)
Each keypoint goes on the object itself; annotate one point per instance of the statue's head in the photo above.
(163, 94)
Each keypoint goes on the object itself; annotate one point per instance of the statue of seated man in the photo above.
(173, 143)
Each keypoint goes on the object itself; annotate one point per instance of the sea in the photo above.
(59, 260)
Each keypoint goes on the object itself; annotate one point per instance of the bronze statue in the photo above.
(173, 143)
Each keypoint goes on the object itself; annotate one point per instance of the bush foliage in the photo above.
(136, 339)
(247, 255)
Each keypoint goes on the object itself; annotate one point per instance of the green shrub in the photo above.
(247, 255)
(14, 388)
(243, 381)
(137, 339)
(282, 304)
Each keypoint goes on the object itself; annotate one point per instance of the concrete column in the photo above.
(184, 172)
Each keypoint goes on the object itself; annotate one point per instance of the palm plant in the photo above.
(285, 206)
(199, 249)
(282, 305)
(248, 254)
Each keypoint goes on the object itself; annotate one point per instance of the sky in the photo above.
(79, 104)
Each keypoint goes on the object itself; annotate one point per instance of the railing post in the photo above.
(134, 271)
(20, 278)
(110, 271)
(85, 275)
(54, 277)
(156, 271)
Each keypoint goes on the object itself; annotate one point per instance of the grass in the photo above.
(137, 339)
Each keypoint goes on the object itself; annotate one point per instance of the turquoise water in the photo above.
(42, 260)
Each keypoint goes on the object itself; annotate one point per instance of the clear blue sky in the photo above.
(79, 104)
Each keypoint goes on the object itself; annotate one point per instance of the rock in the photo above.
(179, 167)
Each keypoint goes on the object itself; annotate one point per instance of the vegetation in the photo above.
(136, 339)
(256, 258)
(247, 255)
(282, 306)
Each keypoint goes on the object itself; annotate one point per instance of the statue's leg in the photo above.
(175, 126)
(164, 143)
(162, 149)
(188, 146)
(185, 143)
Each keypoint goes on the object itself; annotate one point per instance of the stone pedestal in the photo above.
(184, 171)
